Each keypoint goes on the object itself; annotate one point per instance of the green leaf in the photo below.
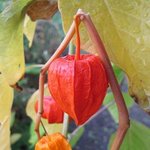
(15, 137)
(33, 136)
(3, 4)
(113, 108)
(33, 69)
(119, 73)
(29, 29)
(124, 27)
(77, 137)
(137, 137)
(12, 118)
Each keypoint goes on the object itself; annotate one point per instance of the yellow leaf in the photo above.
(51, 128)
(29, 29)
(6, 98)
(11, 62)
(5, 134)
(124, 27)
(11, 41)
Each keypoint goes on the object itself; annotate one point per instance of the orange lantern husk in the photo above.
(52, 111)
(78, 86)
(53, 142)
(78, 83)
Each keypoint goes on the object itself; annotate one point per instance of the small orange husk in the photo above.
(54, 141)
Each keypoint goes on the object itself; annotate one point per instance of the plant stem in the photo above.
(46, 133)
(77, 55)
(71, 48)
(65, 124)
(34, 66)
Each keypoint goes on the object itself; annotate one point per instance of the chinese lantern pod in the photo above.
(79, 86)
(52, 111)
(53, 142)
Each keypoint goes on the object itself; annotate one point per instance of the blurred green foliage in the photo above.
(137, 137)
(3, 4)
(76, 137)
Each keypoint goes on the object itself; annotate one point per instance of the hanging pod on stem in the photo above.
(51, 110)
(78, 83)
(53, 142)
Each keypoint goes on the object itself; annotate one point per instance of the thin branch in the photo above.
(34, 66)
(71, 48)
(65, 124)
(46, 133)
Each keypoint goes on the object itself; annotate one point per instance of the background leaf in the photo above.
(29, 29)
(118, 73)
(76, 137)
(15, 137)
(11, 62)
(113, 108)
(6, 98)
(137, 137)
(11, 41)
(33, 68)
(5, 133)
